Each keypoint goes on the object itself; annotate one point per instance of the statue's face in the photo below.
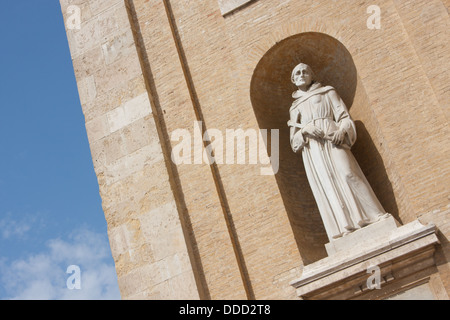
(303, 76)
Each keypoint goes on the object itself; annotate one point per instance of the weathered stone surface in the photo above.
(358, 238)
(397, 252)
(227, 6)
(247, 235)
(147, 241)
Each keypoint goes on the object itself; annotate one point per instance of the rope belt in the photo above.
(301, 126)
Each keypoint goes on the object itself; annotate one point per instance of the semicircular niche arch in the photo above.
(271, 96)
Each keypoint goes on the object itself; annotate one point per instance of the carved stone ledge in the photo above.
(227, 6)
(404, 256)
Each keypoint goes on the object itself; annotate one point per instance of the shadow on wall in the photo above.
(271, 95)
(372, 164)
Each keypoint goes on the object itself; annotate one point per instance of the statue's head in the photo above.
(303, 75)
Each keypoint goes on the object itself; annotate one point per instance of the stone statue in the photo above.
(322, 130)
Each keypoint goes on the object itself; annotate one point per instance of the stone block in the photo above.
(87, 89)
(118, 47)
(132, 110)
(358, 240)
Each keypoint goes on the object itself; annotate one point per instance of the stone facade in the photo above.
(146, 68)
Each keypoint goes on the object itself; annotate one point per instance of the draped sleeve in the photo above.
(342, 117)
(298, 141)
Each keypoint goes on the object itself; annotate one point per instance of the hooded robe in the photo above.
(344, 197)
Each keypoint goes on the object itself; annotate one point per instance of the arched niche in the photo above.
(271, 96)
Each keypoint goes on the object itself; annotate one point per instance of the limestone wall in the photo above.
(145, 230)
(146, 68)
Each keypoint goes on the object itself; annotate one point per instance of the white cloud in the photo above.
(43, 276)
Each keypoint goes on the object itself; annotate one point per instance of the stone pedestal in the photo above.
(381, 261)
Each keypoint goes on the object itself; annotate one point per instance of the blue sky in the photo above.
(50, 209)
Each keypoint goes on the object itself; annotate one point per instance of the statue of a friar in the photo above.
(322, 130)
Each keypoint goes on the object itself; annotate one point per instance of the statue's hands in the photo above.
(338, 138)
(313, 131)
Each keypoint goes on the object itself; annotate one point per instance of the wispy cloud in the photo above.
(10, 228)
(42, 276)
